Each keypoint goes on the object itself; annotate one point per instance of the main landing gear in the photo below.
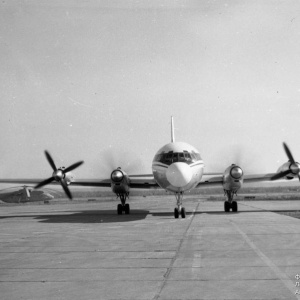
(179, 210)
(124, 206)
(229, 203)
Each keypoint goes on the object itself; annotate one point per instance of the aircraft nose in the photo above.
(179, 174)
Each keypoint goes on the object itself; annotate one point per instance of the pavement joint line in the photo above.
(166, 276)
(289, 284)
(262, 209)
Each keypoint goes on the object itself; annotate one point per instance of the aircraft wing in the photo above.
(24, 181)
(144, 183)
(92, 182)
(216, 180)
(212, 180)
(134, 183)
(87, 182)
(258, 177)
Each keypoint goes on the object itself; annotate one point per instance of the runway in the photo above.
(86, 251)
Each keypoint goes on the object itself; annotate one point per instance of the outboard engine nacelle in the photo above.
(288, 170)
(291, 168)
(67, 177)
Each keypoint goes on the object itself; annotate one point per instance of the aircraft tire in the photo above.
(226, 206)
(176, 213)
(182, 212)
(120, 209)
(127, 209)
(234, 206)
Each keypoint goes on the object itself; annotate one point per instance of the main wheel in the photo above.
(127, 209)
(234, 206)
(226, 206)
(120, 209)
(176, 213)
(182, 212)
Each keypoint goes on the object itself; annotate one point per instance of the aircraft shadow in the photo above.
(92, 216)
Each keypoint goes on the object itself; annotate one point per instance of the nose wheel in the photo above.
(179, 210)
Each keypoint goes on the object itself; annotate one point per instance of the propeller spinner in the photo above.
(58, 175)
(293, 167)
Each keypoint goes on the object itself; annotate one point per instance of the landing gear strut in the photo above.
(124, 206)
(179, 210)
(229, 203)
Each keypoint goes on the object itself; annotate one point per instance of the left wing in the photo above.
(24, 181)
(143, 183)
(133, 183)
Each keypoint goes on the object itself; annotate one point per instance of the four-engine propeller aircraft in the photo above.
(176, 167)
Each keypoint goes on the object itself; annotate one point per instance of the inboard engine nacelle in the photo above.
(119, 181)
(233, 178)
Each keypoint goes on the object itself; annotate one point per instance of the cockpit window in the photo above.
(168, 157)
(187, 156)
(171, 157)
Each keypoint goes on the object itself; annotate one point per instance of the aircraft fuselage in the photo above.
(177, 167)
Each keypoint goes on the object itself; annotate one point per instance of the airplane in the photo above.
(177, 167)
(24, 194)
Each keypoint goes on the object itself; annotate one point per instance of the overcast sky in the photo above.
(99, 80)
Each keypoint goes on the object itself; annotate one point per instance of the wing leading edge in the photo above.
(134, 183)
(218, 179)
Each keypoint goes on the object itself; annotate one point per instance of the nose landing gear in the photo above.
(229, 203)
(179, 210)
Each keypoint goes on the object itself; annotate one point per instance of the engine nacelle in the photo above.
(119, 182)
(292, 167)
(233, 178)
(67, 177)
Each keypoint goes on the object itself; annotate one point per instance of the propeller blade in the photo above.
(280, 175)
(112, 158)
(47, 181)
(66, 189)
(72, 167)
(288, 153)
(50, 160)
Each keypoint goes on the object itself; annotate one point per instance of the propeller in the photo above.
(244, 157)
(113, 158)
(58, 175)
(293, 168)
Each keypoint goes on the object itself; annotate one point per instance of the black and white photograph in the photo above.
(150, 150)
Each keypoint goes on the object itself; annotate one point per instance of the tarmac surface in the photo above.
(84, 250)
